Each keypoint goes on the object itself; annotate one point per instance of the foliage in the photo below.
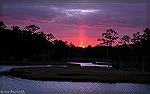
(125, 40)
(109, 37)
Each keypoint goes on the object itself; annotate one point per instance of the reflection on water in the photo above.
(54, 87)
(90, 64)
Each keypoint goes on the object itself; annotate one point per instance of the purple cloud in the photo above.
(125, 14)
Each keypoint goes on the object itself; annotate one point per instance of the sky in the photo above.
(81, 21)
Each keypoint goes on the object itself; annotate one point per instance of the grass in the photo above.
(79, 74)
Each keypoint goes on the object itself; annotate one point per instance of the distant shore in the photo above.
(78, 74)
(52, 62)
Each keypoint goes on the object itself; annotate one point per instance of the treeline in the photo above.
(130, 53)
(31, 44)
(28, 44)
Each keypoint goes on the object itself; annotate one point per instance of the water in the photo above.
(90, 64)
(54, 87)
(9, 85)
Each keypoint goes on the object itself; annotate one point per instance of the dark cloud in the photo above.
(129, 14)
(73, 1)
(26, 12)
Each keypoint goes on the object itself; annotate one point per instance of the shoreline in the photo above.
(78, 74)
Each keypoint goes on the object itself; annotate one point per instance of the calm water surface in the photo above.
(89, 64)
(54, 87)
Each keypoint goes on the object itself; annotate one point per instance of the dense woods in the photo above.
(31, 44)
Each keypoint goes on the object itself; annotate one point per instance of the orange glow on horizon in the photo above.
(82, 37)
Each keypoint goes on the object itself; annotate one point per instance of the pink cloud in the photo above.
(72, 33)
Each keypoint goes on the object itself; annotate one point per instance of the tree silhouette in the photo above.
(109, 37)
(145, 45)
(125, 40)
(60, 48)
(50, 36)
(141, 47)
(19, 44)
(137, 38)
(2, 25)
(15, 28)
(31, 28)
(146, 34)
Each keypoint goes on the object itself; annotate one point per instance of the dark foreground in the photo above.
(78, 74)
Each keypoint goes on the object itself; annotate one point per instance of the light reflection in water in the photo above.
(90, 64)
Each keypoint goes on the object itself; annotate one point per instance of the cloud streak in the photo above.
(95, 14)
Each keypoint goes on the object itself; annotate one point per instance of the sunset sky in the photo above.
(81, 21)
